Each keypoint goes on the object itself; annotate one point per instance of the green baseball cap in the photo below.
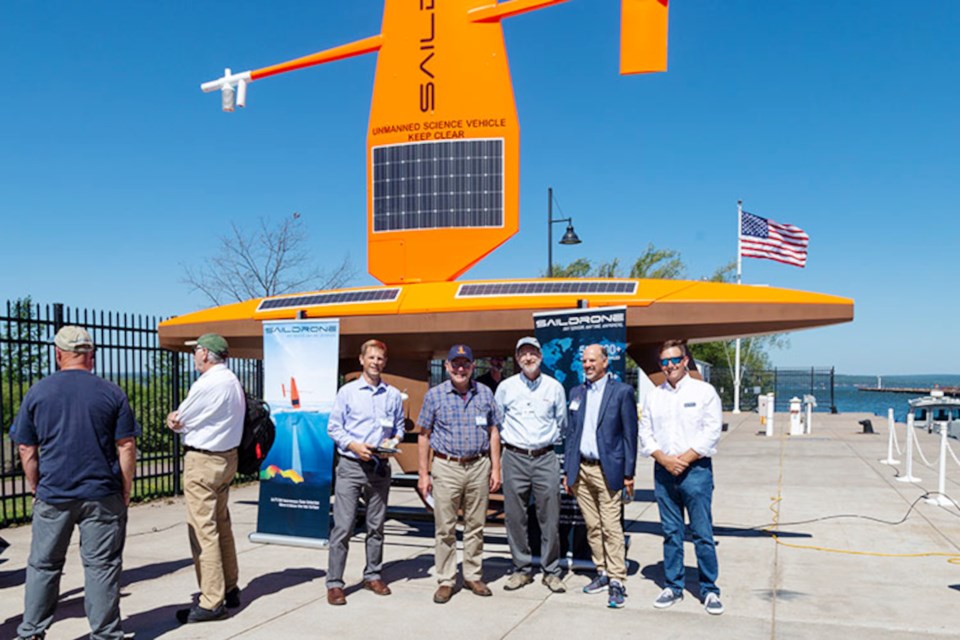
(211, 342)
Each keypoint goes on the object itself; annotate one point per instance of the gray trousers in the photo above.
(103, 527)
(522, 476)
(372, 481)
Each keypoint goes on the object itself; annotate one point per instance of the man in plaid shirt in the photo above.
(459, 421)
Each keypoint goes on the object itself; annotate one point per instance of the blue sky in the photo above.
(839, 117)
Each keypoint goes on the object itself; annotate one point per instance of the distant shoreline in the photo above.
(947, 391)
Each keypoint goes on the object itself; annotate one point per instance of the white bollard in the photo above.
(796, 429)
(909, 477)
(890, 424)
(941, 499)
(808, 425)
(770, 404)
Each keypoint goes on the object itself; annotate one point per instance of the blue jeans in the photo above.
(103, 525)
(691, 491)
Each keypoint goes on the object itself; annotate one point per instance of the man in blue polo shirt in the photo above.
(76, 433)
(366, 413)
(459, 421)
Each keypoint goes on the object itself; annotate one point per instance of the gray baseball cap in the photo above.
(530, 340)
(73, 338)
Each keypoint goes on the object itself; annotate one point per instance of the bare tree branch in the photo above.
(273, 259)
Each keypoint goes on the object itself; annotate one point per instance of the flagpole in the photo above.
(736, 371)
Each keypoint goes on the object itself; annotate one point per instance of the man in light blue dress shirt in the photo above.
(534, 408)
(366, 413)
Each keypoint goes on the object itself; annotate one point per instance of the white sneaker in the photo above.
(667, 598)
(712, 604)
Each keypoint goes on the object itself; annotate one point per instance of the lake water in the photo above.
(851, 400)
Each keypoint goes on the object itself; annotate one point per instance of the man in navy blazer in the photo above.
(600, 457)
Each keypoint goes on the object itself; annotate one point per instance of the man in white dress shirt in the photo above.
(210, 421)
(679, 428)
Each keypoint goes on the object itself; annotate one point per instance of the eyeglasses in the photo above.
(461, 365)
(675, 360)
(198, 347)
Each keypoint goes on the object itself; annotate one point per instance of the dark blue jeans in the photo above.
(691, 492)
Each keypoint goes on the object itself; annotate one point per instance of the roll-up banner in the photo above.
(563, 335)
(300, 360)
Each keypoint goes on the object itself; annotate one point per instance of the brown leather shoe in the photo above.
(443, 595)
(379, 587)
(478, 587)
(336, 597)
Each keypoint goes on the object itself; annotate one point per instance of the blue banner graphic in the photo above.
(300, 359)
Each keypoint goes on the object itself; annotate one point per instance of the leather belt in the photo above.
(187, 447)
(459, 459)
(533, 453)
(589, 462)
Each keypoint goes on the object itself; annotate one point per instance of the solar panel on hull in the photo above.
(438, 185)
(545, 288)
(321, 299)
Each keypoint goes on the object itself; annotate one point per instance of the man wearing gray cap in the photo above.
(75, 433)
(534, 409)
(210, 421)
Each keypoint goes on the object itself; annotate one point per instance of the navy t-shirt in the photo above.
(76, 418)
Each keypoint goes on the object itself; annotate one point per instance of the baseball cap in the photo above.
(212, 342)
(73, 338)
(460, 351)
(530, 340)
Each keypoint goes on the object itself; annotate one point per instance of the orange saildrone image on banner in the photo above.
(443, 143)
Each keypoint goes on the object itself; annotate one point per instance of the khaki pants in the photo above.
(206, 488)
(601, 511)
(460, 486)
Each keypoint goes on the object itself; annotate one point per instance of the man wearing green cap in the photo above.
(76, 433)
(210, 422)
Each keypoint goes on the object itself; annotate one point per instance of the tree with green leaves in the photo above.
(666, 264)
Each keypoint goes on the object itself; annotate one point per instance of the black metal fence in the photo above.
(154, 379)
(785, 383)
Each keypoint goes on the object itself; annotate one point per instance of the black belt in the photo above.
(459, 459)
(589, 462)
(187, 447)
(533, 453)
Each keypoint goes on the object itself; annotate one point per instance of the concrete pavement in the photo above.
(859, 575)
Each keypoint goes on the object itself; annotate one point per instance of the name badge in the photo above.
(575, 405)
(386, 423)
(481, 421)
(689, 404)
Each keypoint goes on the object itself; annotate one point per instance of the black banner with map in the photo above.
(563, 335)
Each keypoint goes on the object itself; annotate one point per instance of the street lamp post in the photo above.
(570, 237)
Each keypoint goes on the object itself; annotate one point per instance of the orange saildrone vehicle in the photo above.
(443, 152)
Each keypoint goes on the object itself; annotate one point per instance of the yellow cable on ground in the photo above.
(952, 558)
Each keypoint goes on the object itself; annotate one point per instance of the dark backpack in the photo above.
(258, 435)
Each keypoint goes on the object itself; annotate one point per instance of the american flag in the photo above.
(763, 238)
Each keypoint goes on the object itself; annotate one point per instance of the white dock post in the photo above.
(911, 434)
(891, 435)
(770, 404)
(941, 499)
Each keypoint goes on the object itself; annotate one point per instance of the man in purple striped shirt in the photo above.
(459, 421)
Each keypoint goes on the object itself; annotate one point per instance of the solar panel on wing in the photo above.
(322, 299)
(545, 288)
(438, 185)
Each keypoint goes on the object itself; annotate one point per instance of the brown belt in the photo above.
(533, 453)
(459, 459)
(589, 462)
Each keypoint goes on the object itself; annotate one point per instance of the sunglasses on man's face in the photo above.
(675, 360)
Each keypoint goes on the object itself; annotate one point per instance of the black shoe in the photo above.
(199, 614)
(232, 600)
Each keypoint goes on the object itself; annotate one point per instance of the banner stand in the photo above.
(300, 361)
(290, 541)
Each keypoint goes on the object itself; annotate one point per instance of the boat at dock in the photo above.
(937, 411)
